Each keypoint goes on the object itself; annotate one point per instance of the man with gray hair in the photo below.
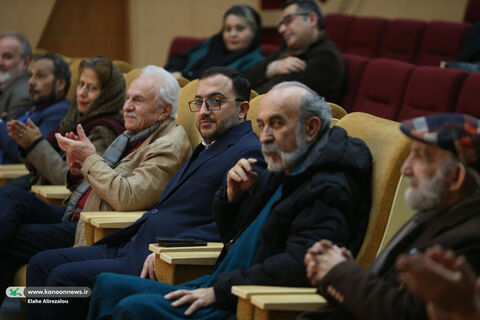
(317, 186)
(15, 56)
(445, 189)
(130, 176)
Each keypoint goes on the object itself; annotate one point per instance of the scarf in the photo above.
(112, 156)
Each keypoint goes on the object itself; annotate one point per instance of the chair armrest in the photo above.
(8, 174)
(13, 167)
(52, 194)
(211, 246)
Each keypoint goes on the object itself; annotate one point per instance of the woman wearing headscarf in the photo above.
(236, 46)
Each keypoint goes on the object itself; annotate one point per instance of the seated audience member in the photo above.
(447, 283)
(99, 97)
(468, 57)
(442, 169)
(184, 209)
(307, 54)
(317, 187)
(15, 56)
(48, 83)
(236, 46)
(131, 175)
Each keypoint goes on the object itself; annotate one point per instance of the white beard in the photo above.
(7, 76)
(429, 194)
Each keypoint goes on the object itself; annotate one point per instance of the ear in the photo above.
(165, 112)
(60, 84)
(312, 19)
(311, 128)
(458, 178)
(243, 109)
(26, 63)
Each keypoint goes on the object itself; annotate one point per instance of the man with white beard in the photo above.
(15, 56)
(443, 171)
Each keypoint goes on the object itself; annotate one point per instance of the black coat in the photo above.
(329, 198)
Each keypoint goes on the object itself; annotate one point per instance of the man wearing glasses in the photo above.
(307, 54)
(184, 210)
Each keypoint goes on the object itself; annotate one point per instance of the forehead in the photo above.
(215, 85)
(234, 19)
(10, 44)
(42, 65)
(142, 86)
(428, 151)
(284, 102)
(290, 9)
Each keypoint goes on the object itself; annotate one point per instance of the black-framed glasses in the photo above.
(210, 104)
(289, 18)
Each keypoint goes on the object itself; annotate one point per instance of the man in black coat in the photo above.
(445, 189)
(324, 177)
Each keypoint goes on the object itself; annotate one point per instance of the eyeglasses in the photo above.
(210, 104)
(289, 18)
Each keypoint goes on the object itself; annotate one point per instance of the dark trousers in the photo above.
(70, 267)
(28, 225)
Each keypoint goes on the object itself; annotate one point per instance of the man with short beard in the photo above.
(48, 83)
(443, 171)
(15, 55)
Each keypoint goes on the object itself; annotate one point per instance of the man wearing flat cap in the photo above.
(443, 171)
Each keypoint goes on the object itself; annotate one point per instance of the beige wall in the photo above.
(154, 23)
(26, 16)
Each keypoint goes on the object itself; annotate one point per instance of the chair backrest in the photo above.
(268, 49)
(186, 118)
(389, 149)
(180, 44)
(123, 65)
(400, 39)
(382, 87)
(132, 75)
(441, 40)
(354, 67)
(468, 101)
(73, 79)
(337, 111)
(252, 114)
(337, 26)
(270, 36)
(364, 36)
(431, 90)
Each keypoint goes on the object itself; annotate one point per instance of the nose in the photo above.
(265, 135)
(406, 169)
(203, 108)
(128, 105)
(281, 28)
(31, 82)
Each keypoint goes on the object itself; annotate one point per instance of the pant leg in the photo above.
(18, 206)
(69, 267)
(23, 182)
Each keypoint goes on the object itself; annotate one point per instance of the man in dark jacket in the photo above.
(317, 186)
(307, 54)
(443, 171)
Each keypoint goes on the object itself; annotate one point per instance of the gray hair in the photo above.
(312, 105)
(167, 87)
(25, 48)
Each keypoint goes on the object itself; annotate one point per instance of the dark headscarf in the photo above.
(218, 54)
(109, 102)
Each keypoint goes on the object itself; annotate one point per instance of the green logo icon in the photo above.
(15, 292)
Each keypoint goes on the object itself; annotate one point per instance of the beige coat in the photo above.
(52, 167)
(137, 182)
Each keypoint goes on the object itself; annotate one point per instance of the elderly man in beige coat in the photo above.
(131, 175)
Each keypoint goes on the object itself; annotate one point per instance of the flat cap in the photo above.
(454, 132)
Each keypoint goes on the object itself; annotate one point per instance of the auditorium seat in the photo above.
(468, 101)
(431, 90)
(400, 39)
(441, 41)
(382, 87)
(364, 36)
(354, 66)
(268, 49)
(337, 26)
(270, 36)
(180, 44)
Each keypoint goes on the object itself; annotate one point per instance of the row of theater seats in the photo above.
(398, 90)
(413, 41)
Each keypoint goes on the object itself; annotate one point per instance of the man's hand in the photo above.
(445, 281)
(199, 298)
(322, 257)
(23, 134)
(149, 267)
(285, 66)
(77, 148)
(241, 178)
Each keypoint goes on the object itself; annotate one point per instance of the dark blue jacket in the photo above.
(45, 119)
(185, 208)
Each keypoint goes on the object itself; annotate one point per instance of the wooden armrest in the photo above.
(13, 167)
(246, 310)
(211, 246)
(284, 306)
(12, 174)
(87, 216)
(51, 192)
(113, 222)
(175, 267)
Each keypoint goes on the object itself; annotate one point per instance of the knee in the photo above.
(37, 269)
(130, 308)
